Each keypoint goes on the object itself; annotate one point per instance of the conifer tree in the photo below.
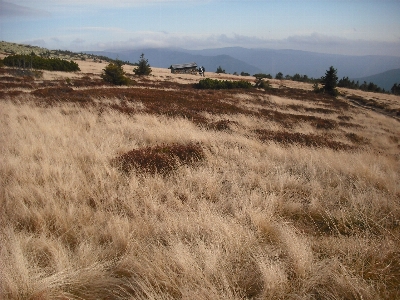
(143, 67)
(115, 74)
(329, 82)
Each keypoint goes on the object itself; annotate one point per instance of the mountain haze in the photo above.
(164, 58)
(312, 64)
(237, 59)
(384, 80)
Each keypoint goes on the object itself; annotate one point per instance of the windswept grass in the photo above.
(162, 191)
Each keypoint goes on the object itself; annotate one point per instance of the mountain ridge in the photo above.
(368, 68)
(385, 80)
(269, 61)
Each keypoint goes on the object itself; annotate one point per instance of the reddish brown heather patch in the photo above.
(161, 159)
(299, 94)
(186, 103)
(86, 81)
(356, 139)
(10, 85)
(289, 120)
(350, 125)
(395, 111)
(345, 118)
(310, 109)
(61, 94)
(221, 125)
(367, 102)
(10, 94)
(301, 139)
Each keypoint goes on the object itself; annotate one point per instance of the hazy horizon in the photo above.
(335, 27)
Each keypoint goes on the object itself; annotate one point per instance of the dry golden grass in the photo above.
(255, 218)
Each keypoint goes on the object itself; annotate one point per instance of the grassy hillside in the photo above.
(7, 48)
(165, 191)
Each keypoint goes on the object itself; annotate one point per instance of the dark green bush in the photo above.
(37, 62)
(216, 84)
(143, 67)
(115, 74)
(220, 70)
(262, 75)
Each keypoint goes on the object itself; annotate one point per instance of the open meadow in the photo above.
(160, 190)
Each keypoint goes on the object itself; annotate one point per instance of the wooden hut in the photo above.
(189, 68)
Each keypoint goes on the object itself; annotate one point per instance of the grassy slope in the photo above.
(297, 195)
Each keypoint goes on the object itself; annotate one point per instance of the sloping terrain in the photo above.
(163, 191)
(384, 80)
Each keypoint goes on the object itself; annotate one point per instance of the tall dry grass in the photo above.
(253, 220)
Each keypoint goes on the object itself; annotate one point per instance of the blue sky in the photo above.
(342, 27)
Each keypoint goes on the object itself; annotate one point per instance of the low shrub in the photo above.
(301, 139)
(161, 159)
(115, 74)
(216, 84)
(37, 62)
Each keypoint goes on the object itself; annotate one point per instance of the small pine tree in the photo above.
(115, 74)
(329, 82)
(220, 70)
(143, 67)
(396, 89)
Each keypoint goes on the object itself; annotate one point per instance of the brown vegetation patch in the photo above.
(221, 125)
(357, 139)
(160, 159)
(61, 93)
(10, 85)
(185, 103)
(5, 94)
(349, 125)
(319, 110)
(367, 102)
(344, 118)
(301, 139)
(289, 120)
(299, 94)
(86, 81)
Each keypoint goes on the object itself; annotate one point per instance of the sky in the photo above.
(352, 27)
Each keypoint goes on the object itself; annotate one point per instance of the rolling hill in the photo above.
(237, 59)
(384, 80)
(163, 58)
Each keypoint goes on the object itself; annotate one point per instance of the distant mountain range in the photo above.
(384, 80)
(289, 62)
(164, 58)
(383, 71)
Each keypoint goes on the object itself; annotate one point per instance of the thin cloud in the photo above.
(103, 3)
(78, 41)
(8, 10)
(314, 42)
(121, 39)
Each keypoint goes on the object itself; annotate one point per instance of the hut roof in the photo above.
(184, 66)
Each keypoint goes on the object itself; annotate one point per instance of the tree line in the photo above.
(33, 61)
(345, 82)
